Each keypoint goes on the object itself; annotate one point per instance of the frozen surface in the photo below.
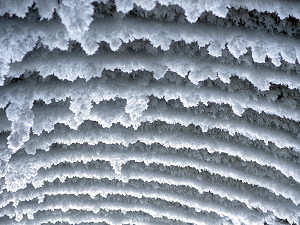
(149, 112)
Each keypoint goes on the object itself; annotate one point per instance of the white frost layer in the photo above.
(251, 197)
(76, 15)
(17, 178)
(192, 10)
(110, 217)
(261, 184)
(108, 113)
(93, 134)
(22, 96)
(218, 7)
(79, 65)
(199, 204)
(146, 205)
(54, 35)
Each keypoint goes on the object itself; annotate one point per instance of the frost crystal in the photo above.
(149, 112)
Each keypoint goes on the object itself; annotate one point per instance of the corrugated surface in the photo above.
(149, 112)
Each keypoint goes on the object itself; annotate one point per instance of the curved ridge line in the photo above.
(118, 159)
(230, 194)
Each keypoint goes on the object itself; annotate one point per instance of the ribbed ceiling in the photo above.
(149, 112)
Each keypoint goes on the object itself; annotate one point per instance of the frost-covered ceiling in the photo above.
(149, 112)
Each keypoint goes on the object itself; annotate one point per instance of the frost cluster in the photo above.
(149, 112)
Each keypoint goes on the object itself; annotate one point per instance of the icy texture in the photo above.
(71, 66)
(149, 112)
(100, 89)
(54, 35)
(192, 9)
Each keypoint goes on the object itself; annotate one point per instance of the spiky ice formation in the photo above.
(149, 112)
